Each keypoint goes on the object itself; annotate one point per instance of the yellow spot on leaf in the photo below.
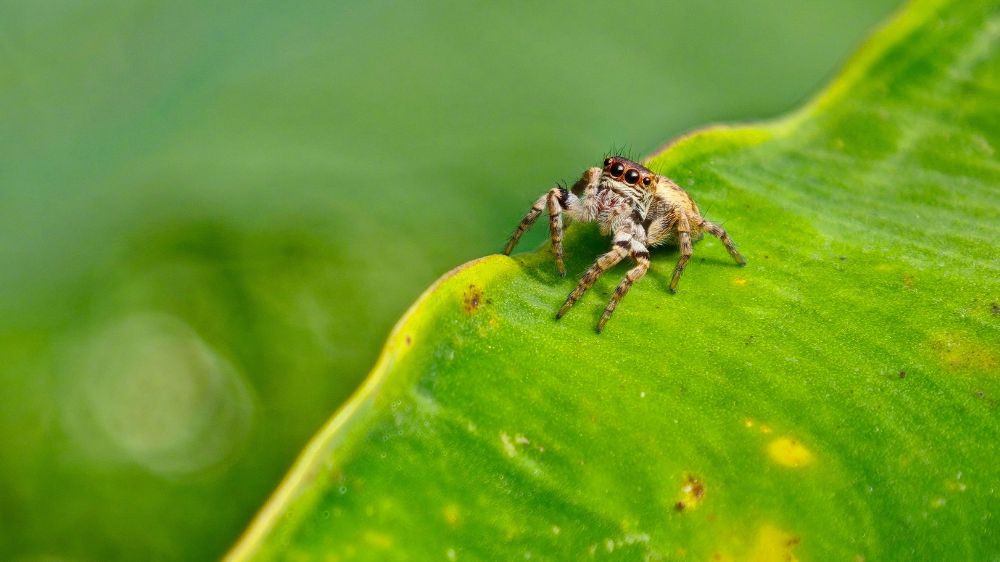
(452, 516)
(749, 423)
(774, 545)
(770, 545)
(376, 539)
(789, 452)
(961, 352)
(739, 281)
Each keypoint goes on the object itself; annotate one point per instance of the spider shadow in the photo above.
(584, 243)
(664, 259)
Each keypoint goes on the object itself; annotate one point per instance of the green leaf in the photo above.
(834, 400)
(184, 292)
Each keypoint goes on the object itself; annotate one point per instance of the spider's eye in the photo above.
(631, 177)
(616, 170)
(607, 162)
(645, 180)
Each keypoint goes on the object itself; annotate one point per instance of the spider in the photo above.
(639, 208)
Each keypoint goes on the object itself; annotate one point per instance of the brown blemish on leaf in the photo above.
(961, 352)
(692, 493)
(409, 339)
(995, 308)
(472, 298)
(789, 452)
(981, 395)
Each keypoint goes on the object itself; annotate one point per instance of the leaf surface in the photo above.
(834, 400)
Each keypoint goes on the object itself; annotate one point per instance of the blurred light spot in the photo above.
(146, 388)
(378, 540)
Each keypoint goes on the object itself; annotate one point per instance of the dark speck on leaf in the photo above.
(902, 374)
(472, 298)
(995, 309)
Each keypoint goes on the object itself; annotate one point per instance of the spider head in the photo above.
(632, 174)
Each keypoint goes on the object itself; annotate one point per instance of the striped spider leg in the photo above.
(629, 238)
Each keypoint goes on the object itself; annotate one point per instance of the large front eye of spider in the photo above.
(631, 177)
(616, 170)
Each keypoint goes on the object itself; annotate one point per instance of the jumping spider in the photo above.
(640, 209)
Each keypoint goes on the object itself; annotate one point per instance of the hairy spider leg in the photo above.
(560, 200)
(525, 224)
(608, 260)
(641, 255)
(555, 197)
(720, 233)
(684, 237)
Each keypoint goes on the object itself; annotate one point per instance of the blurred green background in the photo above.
(211, 214)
